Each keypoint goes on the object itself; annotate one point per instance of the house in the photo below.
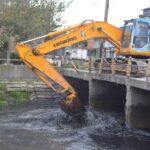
(146, 13)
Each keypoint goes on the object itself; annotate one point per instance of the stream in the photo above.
(41, 125)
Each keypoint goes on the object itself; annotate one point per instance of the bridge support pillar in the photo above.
(106, 96)
(137, 109)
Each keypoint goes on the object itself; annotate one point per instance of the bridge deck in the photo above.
(141, 83)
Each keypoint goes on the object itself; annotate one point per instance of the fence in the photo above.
(11, 61)
(129, 67)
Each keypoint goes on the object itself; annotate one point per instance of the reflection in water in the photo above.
(49, 128)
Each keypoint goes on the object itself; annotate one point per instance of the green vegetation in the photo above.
(2, 86)
(30, 18)
(3, 47)
(3, 100)
(3, 43)
(2, 95)
(19, 96)
(14, 97)
(25, 19)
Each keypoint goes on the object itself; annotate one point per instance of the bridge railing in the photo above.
(129, 67)
(11, 61)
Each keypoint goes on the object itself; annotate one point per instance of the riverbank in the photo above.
(12, 98)
(8, 99)
(16, 92)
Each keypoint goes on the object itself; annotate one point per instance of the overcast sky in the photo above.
(119, 10)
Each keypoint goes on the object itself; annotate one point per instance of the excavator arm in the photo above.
(35, 60)
(46, 72)
(80, 33)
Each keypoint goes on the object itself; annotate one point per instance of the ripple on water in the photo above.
(98, 130)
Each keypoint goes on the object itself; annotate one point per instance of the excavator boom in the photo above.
(80, 33)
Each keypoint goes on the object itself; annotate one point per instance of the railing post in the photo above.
(74, 66)
(148, 71)
(100, 66)
(113, 68)
(129, 67)
(90, 63)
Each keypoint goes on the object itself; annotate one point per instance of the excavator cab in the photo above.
(136, 38)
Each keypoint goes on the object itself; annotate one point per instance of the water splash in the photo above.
(95, 130)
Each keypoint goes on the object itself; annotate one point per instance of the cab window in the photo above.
(141, 35)
(126, 38)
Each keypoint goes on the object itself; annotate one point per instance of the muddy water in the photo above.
(41, 125)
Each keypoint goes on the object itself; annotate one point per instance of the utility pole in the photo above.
(102, 41)
(106, 11)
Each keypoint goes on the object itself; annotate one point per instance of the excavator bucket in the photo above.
(73, 107)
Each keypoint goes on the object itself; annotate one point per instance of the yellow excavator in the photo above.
(133, 40)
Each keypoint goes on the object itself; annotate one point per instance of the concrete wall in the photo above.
(137, 108)
(17, 72)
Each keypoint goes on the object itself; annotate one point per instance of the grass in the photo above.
(2, 86)
(3, 100)
(19, 96)
(12, 98)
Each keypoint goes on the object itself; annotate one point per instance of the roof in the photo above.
(146, 8)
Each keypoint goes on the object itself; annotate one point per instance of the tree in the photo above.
(30, 18)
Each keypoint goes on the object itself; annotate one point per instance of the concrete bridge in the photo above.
(104, 92)
(115, 93)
